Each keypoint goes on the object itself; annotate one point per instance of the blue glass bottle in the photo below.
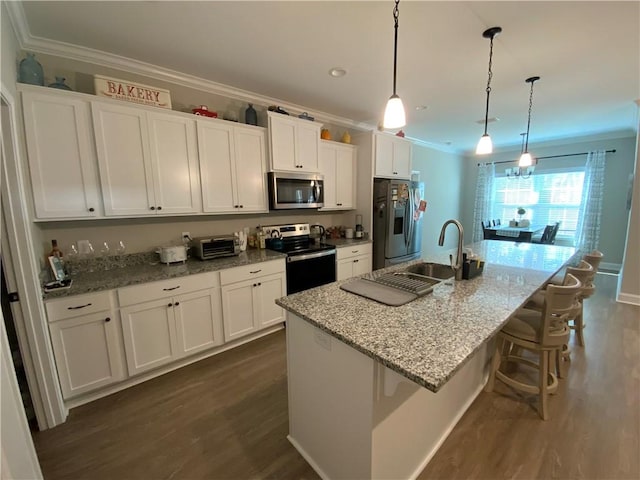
(250, 115)
(31, 71)
(59, 83)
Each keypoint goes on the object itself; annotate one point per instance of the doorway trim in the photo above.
(31, 326)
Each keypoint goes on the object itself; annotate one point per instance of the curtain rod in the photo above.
(551, 156)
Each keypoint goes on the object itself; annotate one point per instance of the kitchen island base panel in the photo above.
(352, 417)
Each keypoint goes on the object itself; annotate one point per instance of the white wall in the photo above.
(443, 176)
(619, 165)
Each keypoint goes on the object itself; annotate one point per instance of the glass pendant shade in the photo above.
(485, 145)
(394, 116)
(525, 160)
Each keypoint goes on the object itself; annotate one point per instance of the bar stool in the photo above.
(542, 332)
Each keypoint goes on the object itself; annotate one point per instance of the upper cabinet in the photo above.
(62, 158)
(232, 167)
(338, 165)
(148, 160)
(294, 143)
(392, 156)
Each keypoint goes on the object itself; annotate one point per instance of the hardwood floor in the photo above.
(226, 418)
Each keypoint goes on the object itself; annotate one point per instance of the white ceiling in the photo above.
(586, 53)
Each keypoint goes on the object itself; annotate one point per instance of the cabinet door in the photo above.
(149, 335)
(307, 146)
(328, 165)
(198, 321)
(217, 150)
(62, 159)
(402, 158)
(269, 289)
(384, 156)
(361, 265)
(250, 170)
(173, 146)
(344, 269)
(238, 309)
(282, 134)
(87, 352)
(122, 146)
(345, 191)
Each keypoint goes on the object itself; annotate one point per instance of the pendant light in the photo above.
(525, 159)
(484, 145)
(394, 116)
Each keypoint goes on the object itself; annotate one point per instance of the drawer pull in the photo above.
(108, 319)
(172, 288)
(79, 307)
(257, 271)
(355, 261)
(355, 251)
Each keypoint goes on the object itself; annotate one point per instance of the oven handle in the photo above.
(299, 258)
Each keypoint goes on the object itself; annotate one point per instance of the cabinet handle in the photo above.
(108, 319)
(256, 271)
(92, 209)
(241, 206)
(152, 208)
(255, 284)
(356, 261)
(259, 283)
(235, 206)
(172, 288)
(176, 304)
(339, 204)
(79, 306)
(170, 305)
(159, 208)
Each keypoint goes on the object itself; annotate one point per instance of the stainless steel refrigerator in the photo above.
(397, 221)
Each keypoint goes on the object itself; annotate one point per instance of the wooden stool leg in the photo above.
(495, 363)
(559, 362)
(543, 384)
(579, 325)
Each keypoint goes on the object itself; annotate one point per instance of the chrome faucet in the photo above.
(457, 268)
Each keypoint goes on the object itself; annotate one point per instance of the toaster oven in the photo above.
(215, 246)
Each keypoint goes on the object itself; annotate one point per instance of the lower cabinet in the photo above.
(248, 297)
(170, 325)
(353, 261)
(87, 342)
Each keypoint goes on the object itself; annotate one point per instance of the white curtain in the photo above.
(484, 198)
(588, 231)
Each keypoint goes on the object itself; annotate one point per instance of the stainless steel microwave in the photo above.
(295, 190)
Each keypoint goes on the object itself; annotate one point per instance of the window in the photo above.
(547, 198)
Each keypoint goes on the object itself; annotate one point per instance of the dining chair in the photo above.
(546, 235)
(554, 232)
(541, 332)
(497, 222)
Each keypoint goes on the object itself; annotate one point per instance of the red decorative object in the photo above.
(400, 134)
(204, 111)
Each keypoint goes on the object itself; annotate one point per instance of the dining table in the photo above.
(514, 234)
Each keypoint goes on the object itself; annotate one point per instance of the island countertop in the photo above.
(429, 339)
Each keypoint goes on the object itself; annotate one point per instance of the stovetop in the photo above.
(292, 239)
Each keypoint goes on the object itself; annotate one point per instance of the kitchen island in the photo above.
(374, 390)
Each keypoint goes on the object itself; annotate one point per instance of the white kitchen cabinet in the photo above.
(353, 261)
(167, 320)
(294, 143)
(232, 167)
(148, 161)
(87, 342)
(248, 297)
(338, 165)
(392, 156)
(61, 153)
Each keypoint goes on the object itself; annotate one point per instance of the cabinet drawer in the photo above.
(346, 252)
(78, 305)
(166, 288)
(247, 272)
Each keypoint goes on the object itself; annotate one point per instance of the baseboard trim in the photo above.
(308, 458)
(614, 267)
(628, 298)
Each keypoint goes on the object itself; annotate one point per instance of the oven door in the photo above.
(310, 270)
(290, 190)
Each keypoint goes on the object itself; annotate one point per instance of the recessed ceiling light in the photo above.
(489, 120)
(421, 107)
(337, 72)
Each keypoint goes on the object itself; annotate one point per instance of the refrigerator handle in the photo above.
(411, 220)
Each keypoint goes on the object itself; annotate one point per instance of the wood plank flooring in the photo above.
(226, 418)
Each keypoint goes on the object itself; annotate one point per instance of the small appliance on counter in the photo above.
(172, 254)
(216, 246)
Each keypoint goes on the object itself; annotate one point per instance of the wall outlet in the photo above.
(186, 234)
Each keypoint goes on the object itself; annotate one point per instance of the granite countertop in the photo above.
(153, 270)
(346, 242)
(429, 339)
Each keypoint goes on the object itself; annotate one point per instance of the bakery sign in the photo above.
(132, 92)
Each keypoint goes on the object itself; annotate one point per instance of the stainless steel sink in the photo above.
(433, 270)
